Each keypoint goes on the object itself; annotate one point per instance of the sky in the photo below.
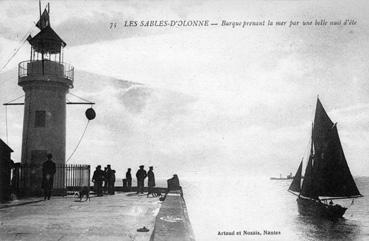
(201, 101)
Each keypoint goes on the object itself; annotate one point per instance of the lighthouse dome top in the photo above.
(47, 41)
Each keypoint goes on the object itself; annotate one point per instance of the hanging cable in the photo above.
(6, 124)
(79, 142)
(12, 56)
(22, 41)
(90, 114)
(79, 97)
(6, 117)
(14, 99)
(352, 203)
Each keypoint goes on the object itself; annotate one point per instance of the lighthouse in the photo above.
(45, 79)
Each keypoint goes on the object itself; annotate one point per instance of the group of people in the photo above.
(104, 180)
(141, 174)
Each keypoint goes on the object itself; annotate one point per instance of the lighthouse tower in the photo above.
(45, 79)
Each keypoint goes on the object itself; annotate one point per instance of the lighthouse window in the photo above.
(40, 118)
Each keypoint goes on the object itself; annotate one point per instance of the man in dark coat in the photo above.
(97, 179)
(107, 179)
(150, 181)
(48, 172)
(129, 179)
(111, 182)
(141, 175)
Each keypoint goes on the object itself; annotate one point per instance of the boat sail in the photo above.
(327, 175)
(296, 182)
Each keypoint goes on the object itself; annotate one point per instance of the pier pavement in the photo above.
(111, 217)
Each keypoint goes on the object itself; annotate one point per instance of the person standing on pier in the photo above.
(105, 180)
(150, 181)
(129, 179)
(48, 172)
(97, 179)
(141, 175)
(111, 182)
(107, 176)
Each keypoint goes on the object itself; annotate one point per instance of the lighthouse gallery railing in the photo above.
(45, 67)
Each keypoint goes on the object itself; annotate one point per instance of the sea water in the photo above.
(244, 208)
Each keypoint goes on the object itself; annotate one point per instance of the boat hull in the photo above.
(310, 207)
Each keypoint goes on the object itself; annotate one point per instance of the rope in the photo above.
(352, 203)
(308, 146)
(6, 118)
(12, 56)
(84, 131)
(22, 41)
(79, 142)
(15, 99)
(6, 123)
(79, 97)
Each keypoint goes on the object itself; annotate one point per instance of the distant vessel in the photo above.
(288, 177)
(327, 175)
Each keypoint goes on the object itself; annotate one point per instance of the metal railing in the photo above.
(69, 177)
(76, 176)
(46, 67)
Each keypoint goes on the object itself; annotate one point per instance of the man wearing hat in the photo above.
(48, 172)
(129, 179)
(108, 179)
(97, 179)
(150, 181)
(141, 175)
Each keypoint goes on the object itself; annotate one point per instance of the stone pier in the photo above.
(172, 222)
(115, 217)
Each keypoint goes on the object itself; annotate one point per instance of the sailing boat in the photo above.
(327, 175)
